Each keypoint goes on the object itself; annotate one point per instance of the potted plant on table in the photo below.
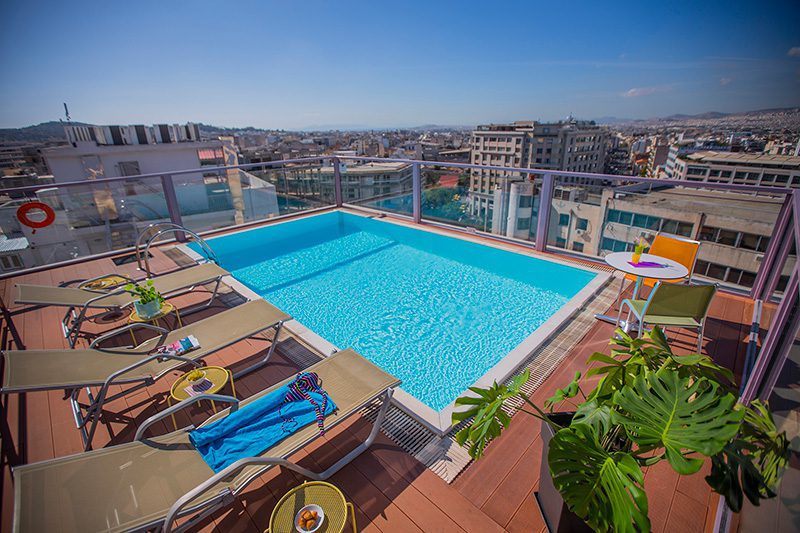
(149, 303)
(649, 405)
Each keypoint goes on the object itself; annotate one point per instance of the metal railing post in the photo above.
(173, 208)
(763, 286)
(337, 182)
(543, 216)
(416, 182)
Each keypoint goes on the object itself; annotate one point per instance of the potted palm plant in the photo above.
(149, 303)
(649, 405)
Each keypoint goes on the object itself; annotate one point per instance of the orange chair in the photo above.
(679, 249)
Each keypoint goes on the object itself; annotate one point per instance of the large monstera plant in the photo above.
(649, 405)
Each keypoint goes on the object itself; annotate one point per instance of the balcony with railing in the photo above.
(748, 234)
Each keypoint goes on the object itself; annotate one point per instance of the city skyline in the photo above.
(361, 65)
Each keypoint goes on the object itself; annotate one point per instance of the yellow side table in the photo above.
(103, 283)
(166, 308)
(321, 493)
(218, 376)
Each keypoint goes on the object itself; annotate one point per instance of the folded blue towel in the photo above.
(255, 427)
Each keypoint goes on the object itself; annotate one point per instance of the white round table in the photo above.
(650, 266)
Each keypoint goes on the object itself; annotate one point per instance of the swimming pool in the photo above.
(436, 311)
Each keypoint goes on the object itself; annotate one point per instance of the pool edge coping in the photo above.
(440, 422)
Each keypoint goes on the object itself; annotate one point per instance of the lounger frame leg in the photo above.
(94, 410)
(231, 471)
(255, 366)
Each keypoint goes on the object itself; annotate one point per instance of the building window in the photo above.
(582, 224)
(577, 246)
(10, 262)
(563, 219)
(523, 223)
(129, 168)
(525, 201)
(561, 242)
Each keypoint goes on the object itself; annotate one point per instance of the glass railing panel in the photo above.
(595, 217)
(299, 187)
(220, 198)
(502, 203)
(89, 219)
(382, 186)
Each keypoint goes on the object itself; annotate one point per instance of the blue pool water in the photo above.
(435, 311)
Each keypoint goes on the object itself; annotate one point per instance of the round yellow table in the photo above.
(166, 308)
(218, 376)
(320, 493)
(103, 283)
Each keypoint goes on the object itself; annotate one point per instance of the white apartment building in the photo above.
(572, 145)
(739, 167)
(95, 219)
(360, 181)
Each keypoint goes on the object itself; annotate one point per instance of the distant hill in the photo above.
(46, 131)
(709, 115)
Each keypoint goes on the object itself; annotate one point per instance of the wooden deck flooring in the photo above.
(390, 489)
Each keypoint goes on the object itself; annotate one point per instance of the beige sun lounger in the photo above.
(152, 481)
(81, 301)
(35, 370)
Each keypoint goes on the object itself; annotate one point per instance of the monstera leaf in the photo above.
(489, 417)
(752, 463)
(595, 415)
(570, 391)
(605, 489)
(663, 409)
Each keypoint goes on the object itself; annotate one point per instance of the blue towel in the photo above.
(255, 427)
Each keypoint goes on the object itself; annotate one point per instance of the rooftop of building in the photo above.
(744, 158)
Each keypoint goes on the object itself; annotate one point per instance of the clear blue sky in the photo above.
(294, 64)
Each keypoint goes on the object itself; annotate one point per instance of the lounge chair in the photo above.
(672, 305)
(136, 367)
(80, 302)
(151, 482)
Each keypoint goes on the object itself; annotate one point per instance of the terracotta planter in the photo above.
(555, 512)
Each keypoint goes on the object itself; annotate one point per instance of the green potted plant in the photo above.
(649, 405)
(150, 300)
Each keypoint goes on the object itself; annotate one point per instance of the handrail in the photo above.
(542, 171)
(168, 227)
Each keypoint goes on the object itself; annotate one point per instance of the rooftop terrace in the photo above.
(395, 485)
(392, 490)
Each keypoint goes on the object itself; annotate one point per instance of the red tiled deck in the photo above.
(390, 489)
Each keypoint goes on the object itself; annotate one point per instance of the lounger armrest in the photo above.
(136, 325)
(103, 391)
(220, 477)
(102, 295)
(183, 404)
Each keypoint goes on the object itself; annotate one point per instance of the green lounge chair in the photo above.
(149, 483)
(673, 305)
(80, 302)
(134, 368)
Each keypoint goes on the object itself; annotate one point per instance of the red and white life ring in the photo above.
(49, 215)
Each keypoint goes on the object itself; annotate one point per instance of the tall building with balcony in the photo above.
(571, 145)
(738, 167)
